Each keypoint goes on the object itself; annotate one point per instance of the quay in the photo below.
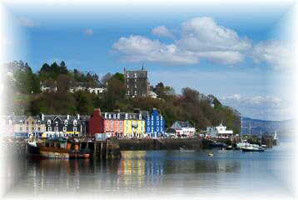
(111, 148)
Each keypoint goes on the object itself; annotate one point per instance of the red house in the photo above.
(96, 123)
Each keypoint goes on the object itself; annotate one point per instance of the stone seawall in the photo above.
(160, 144)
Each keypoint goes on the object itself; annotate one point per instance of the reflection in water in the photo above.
(145, 171)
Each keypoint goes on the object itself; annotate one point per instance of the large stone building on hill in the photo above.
(136, 83)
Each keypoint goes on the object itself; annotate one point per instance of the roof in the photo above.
(139, 73)
(114, 115)
(181, 124)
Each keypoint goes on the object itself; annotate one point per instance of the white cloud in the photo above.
(88, 32)
(24, 21)
(203, 34)
(201, 38)
(223, 57)
(162, 31)
(138, 48)
(274, 53)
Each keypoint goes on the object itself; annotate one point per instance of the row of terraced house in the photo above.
(138, 124)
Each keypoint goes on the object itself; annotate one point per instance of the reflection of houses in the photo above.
(154, 124)
(219, 131)
(136, 83)
(184, 129)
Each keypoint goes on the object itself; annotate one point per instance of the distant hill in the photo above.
(260, 127)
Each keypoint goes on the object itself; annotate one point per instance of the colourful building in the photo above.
(96, 123)
(113, 123)
(134, 125)
(154, 124)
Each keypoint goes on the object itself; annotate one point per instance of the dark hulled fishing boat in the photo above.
(62, 150)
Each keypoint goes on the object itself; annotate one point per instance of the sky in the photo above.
(237, 52)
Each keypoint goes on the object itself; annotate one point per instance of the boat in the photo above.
(61, 151)
(253, 148)
(217, 145)
(242, 144)
(230, 147)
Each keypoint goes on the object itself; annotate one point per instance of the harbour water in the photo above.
(162, 174)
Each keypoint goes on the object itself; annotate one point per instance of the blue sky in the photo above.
(229, 51)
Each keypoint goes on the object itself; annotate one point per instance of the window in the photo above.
(75, 129)
(38, 128)
(56, 129)
(49, 128)
(64, 129)
(21, 128)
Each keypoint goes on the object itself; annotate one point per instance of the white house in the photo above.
(219, 131)
(96, 90)
(153, 95)
(183, 129)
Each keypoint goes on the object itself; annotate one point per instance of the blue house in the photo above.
(154, 124)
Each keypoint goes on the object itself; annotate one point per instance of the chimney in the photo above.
(78, 115)
(42, 117)
(67, 116)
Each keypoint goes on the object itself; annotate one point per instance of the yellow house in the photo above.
(28, 125)
(134, 125)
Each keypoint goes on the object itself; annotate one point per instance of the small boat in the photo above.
(230, 147)
(210, 154)
(253, 148)
(217, 145)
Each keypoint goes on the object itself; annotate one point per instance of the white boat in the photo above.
(253, 148)
(242, 144)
